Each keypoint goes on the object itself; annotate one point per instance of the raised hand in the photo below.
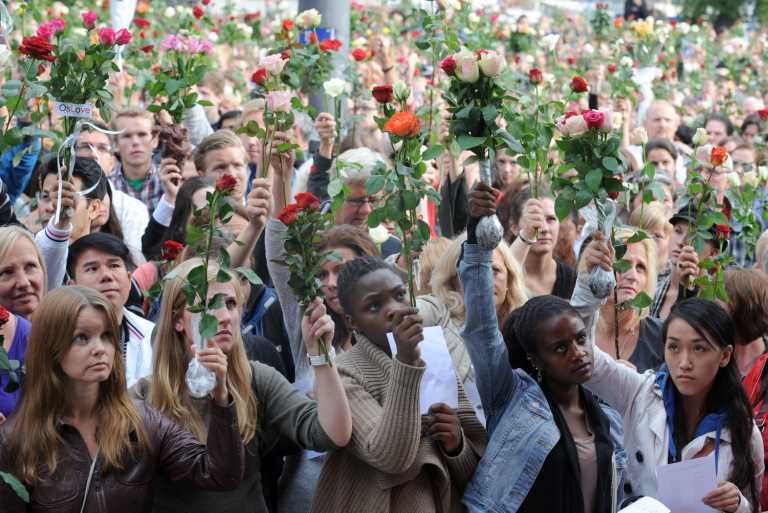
(532, 219)
(482, 200)
(214, 359)
(317, 325)
(408, 331)
(170, 179)
(325, 124)
(258, 205)
(68, 199)
(597, 254)
(687, 267)
(282, 162)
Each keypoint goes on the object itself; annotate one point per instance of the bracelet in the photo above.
(320, 359)
(527, 242)
(387, 70)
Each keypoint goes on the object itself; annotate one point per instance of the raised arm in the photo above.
(258, 206)
(496, 380)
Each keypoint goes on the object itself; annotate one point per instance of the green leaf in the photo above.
(249, 275)
(432, 152)
(593, 179)
(15, 485)
(582, 199)
(640, 301)
(621, 266)
(563, 206)
(638, 236)
(208, 326)
(467, 142)
(216, 302)
(374, 184)
(223, 276)
(611, 164)
(197, 277)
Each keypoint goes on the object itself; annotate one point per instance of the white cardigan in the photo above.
(639, 401)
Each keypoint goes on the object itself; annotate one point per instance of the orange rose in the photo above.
(719, 156)
(403, 124)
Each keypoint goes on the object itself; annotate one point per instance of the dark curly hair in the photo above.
(351, 272)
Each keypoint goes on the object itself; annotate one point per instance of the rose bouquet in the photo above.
(403, 188)
(590, 147)
(185, 64)
(474, 100)
(305, 222)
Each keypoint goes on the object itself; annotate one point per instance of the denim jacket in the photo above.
(521, 428)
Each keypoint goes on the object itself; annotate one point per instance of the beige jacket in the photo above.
(391, 465)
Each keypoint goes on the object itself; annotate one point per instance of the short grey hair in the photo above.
(357, 164)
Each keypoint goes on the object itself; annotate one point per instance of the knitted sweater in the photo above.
(392, 465)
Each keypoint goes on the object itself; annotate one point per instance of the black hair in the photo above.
(231, 114)
(103, 242)
(713, 323)
(752, 119)
(351, 272)
(685, 134)
(182, 212)
(661, 144)
(510, 209)
(87, 170)
(520, 331)
(722, 118)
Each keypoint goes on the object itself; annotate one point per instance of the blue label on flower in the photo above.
(323, 33)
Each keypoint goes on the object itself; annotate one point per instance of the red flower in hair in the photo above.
(288, 214)
(171, 250)
(579, 85)
(226, 184)
(307, 201)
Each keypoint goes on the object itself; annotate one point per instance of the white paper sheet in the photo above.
(682, 485)
(438, 385)
(646, 505)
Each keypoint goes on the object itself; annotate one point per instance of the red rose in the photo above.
(251, 16)
(359, 54)
(763, 113)
(571, 60)
(206, 2)
(287, 25)
(535, 76)
(570, 114)
(285, 54)
(147, 48)
(313, 38)
(141, 22)
(142, 35)
(611, 68)
(383, 93)
(198, 12)
(123, 37)
(449, 65)
(727, 210)
(579, 85)
(259, 76)
(331, 45)
(226, 184)
(718, 156)
(723, 231)
(38, 48)
(307, 201)
(594, 119)
(288, 215)
(171, 250)
(5, 316)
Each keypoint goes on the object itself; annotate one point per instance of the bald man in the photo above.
(661, 122)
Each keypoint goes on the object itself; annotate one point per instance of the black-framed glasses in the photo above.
(358, 203)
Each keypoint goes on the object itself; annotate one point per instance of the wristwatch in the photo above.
(320, 359)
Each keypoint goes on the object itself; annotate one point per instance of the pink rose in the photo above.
(594, 119)
(58, 25)
(123, 37)
(107, 36)
(274, 64)
(575, 126)
(608, 123)
(171, 42)
(89, 19)
(279, 101)
(45, 30)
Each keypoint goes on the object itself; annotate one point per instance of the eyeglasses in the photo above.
(92, 148)
(359, 202)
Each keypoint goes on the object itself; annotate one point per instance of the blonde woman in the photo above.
(639, 336)
(445, 306)
(267, 405)
(23, 277)
(653, 218)
(78, 442)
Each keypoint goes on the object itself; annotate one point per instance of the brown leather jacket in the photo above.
(172, 451)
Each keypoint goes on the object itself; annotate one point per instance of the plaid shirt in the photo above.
(662, 287)
(736, 247)
(151, 189)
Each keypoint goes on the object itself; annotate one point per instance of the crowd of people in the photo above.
(567, 402)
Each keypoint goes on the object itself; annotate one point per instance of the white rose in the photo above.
(5, 56)
(279, 101)
(466, 67)
(588, 49)
(169, 12)
(274, 64)
(335, 87)
(639, 136)
(309, 19)
(401, 91)
(247, 30)
(627, 61)
(473, 17)
(734, 179)
(701, 137)
(213, 37)
(695, 29)
(550, 41)
(492, 64)
(575, 126)
(683, 28)
(380, 234)
(762, 173)
(618, 120)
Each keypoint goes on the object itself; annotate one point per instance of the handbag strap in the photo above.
(90, 478)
